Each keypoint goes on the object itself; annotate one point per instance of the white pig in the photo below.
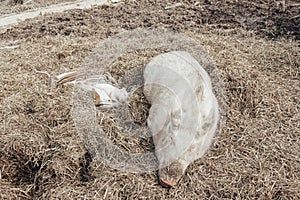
(184, 113)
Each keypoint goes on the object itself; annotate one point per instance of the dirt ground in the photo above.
(256, 48)
(18, 6)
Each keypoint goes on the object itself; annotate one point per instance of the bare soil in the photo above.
(269, 18)
(18, 6)
(256, 48)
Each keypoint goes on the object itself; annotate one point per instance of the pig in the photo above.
(184, 114)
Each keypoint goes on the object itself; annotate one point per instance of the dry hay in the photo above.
(256, 155)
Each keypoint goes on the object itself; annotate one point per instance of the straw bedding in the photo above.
(256, 155)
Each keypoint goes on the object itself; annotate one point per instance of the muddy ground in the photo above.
(256, 48)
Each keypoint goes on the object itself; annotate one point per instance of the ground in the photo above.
(255, 45)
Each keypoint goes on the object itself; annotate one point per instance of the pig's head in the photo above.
(164, 122)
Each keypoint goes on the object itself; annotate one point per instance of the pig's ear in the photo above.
(158, 118)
